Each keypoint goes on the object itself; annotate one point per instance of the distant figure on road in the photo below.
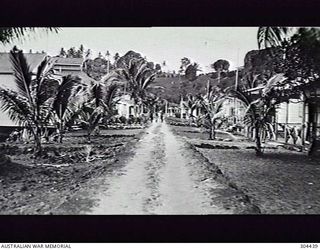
(161, 116)
(157, 117)
(151, 116)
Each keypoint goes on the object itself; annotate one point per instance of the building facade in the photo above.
(7, 78)
(66, 66)
(126, 107)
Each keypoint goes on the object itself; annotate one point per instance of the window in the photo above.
(232, 111)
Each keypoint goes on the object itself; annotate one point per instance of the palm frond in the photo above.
(141, 70)
(271, 36)
(219, 105)
(42, 69)
(144, 72)
(64, 92)
(90, 117)
(243, 96)
(72, 113)
(9, 34)
(45, 90)
(22, 73)
(110, 97)
(273, 82)
(148, 80)
(45, 87)
(17, 107)
(96, 93)
(113, 77)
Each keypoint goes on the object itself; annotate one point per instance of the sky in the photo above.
(203, 45)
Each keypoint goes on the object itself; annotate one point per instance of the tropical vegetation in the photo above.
(212, 110)
(293, 63)
(30, 104)
(9, 34)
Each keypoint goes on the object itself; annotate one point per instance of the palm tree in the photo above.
(29, 106)
(90, 117)
(63, 107)
(138, 77)
(100, 103)
(9, 34)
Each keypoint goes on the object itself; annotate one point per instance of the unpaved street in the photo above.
(165, 176)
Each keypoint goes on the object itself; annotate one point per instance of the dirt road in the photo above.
(165, 176)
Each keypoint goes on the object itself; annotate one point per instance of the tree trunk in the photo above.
(60, 133)
(190, 118)
(258, 140)
(38, 146)
(60, 137)
(212, 132)
(37, 140)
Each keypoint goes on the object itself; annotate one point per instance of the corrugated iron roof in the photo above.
(33, 60)
(67, 60)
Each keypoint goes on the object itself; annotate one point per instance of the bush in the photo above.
(138, 120)
(131, 119)
(180, 122)
(144, 119)
(114, 120)
(122, 119)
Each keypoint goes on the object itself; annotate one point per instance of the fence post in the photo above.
(303, 132)
(286, 124)
(276, 125)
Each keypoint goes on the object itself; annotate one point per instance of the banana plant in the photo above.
(212, 113)
(191, 105)
(260, 110)
(212, 109)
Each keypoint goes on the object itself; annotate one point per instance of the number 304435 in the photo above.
(309, 246)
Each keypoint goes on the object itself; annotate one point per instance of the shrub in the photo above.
(138, 119)
(123, 119)
(131, 119)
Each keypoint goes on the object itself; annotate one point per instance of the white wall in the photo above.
(123, 105)
(6, 81)
(236, 105)
(294, 112)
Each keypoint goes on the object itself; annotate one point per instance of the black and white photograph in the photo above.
(159, 120)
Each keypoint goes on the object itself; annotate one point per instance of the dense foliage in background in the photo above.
(175, 87)
(297, 51)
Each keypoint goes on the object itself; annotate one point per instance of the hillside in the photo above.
(175, 87)
(256, 62)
